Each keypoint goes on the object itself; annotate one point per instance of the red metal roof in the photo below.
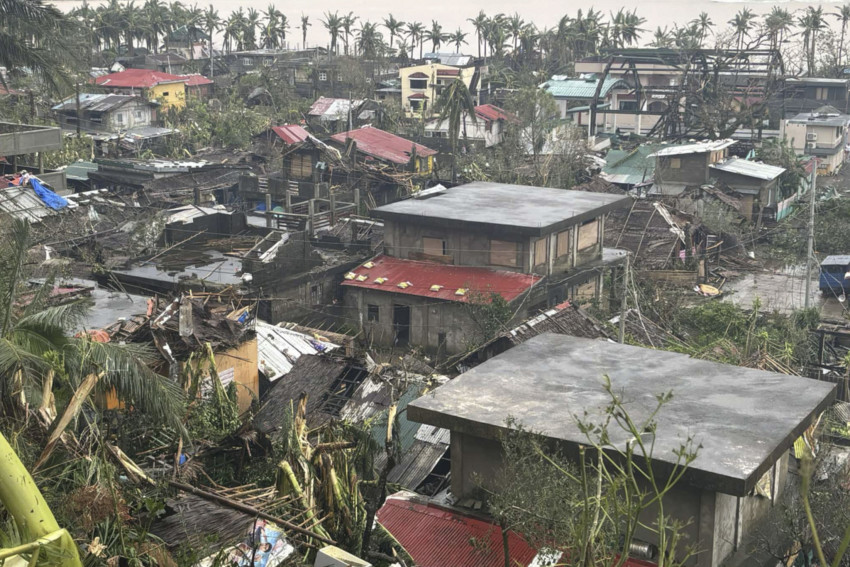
(422, 275)
(137, 79)
(383, 145)
(490, 112)
(196, 80)
(437, 537)
(290, 133)
(450, 72)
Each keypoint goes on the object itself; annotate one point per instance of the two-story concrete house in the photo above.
(742, 422)
(806, 94)
(105, 112)
(487, 127)
(421, 85)
(533, 246)
(822, 133)
(686, 165)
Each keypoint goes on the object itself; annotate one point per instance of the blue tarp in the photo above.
(50, 198)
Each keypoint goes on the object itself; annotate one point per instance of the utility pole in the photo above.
(77, 93)
(621, 336)
(810, 248)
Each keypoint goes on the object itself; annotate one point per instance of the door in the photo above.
(401, 324)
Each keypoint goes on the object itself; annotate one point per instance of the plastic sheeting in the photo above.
(50, 198)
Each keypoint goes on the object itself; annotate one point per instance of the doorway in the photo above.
(401, 324)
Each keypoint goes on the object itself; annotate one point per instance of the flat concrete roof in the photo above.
(745, 419)
(519, 208)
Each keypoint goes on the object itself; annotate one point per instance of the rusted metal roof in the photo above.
(291, 133)
(491, 112)
(383, 145)
(437, 537)
(138, 79)
(196, 80)
(437, 281)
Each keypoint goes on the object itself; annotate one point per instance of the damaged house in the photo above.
(181, 331)
(451, 250)
(741, 465)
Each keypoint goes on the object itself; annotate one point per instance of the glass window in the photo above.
(119, 117)
(323, 76)
(418, 84)
(503, 253)
(675, 163)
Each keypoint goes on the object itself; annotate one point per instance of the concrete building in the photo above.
(18, 140)
(757, 183)
(806, 94)
(574, 95)
(169, 90)
(105, 112)
(822, 133)
(487, 127)
(533, 246)
(686, 165)
(421, 85)
(744, 421)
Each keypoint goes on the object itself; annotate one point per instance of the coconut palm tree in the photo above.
(704, 24)
(369, 40)
(212, 23)
(31, 37)
(394, 27)
(333, 23)
(515, 25)
(347, 23)
(742, 23)
(415, 30)
(435, 35)
(812, 22)
(305, 23)
(661, 38)
(778, 22)
(843, 16)
(455, 104)
(458, 38)
(37, 352)
(252, 24)
(479, 22)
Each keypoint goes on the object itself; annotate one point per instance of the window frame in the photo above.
(443, 246)
(373, 313)
(563, 238)
(494, 254)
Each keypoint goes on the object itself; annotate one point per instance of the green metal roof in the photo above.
(406, 429)
(78, 171)
(580, 88)
(630, 167)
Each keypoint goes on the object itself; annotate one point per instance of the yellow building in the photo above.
(421, 86)
(167, 89)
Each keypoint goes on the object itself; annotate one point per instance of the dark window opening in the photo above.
(372, 313)
(401, 324)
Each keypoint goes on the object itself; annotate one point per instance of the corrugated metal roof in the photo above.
(453, 59)
(291, 133)
(24, 203)
(78, 171)
(492, 112)
(816, 119)
(333, 108)
(95, 102)
(749, 168)
(581, 88)
(383, 145)
(138, 79)
(279, 348)
(630, 167)
(695, 148)
(196, 80)
(423, 275)
(438, 537)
